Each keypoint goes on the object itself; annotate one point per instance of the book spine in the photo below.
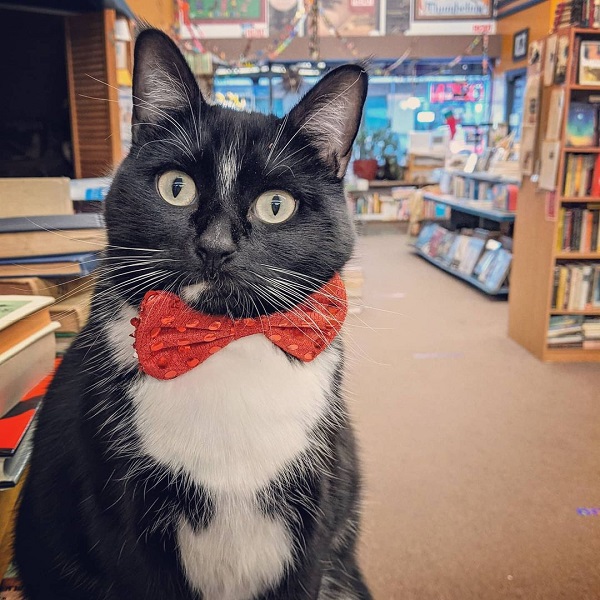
(561, 229)
(595, 192)
(568, 230)
(555, 286)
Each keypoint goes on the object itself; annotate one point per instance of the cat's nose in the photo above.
(214, 257)
(215, 245)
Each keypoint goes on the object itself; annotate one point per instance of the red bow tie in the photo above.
(171, 337)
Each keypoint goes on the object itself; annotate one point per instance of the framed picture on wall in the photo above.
(520, 44)
(434, 10)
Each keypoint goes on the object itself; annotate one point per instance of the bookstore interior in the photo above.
(473, 185)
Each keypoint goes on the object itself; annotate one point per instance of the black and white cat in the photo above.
(237, 480)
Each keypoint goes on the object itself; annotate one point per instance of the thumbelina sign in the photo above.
(433, 10)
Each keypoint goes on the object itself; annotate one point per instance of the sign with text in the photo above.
(456, 92)
(433, 10)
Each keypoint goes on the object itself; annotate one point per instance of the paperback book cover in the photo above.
(582, 125)
(589, 63)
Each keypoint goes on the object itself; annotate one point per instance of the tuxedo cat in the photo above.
(235, 476)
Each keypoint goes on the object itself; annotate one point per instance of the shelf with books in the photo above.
(477, 256)
(503, 291)
(478, 208)
(487, 177)
(554, 305)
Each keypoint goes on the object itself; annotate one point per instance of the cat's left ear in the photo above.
(162, 79)
(330, 114)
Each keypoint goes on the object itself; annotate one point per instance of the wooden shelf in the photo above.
(479, 208)
(503, 291)
(479, 176)
(577, 256)
(571, 355)
(375, 217)
(583, 199)
(592, 312)
(584, 88)
(581, 149)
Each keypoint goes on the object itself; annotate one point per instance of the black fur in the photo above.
(97, 519)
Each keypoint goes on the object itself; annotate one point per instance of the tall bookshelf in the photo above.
(536, 244)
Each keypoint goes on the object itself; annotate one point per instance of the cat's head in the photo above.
(238, 212)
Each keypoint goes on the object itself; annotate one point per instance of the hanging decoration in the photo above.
(343, 39)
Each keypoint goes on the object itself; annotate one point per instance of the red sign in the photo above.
(457, 92)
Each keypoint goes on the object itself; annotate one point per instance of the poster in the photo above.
(550, 60)
(433, 10)
(397, 16)
(349, 18)
(225, 19)
(549, 169)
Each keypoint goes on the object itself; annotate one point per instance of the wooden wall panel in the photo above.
(93, 93)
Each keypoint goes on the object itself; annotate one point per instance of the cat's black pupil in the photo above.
(275, 204)
(177, 186)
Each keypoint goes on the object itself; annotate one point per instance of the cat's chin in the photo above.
(191, 293)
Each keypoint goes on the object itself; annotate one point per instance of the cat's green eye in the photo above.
(177, 187)
(275, 206)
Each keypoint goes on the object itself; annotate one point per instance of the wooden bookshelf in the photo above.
(536, 243)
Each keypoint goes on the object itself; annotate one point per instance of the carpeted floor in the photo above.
(476, 456)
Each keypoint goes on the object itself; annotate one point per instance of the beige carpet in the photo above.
(476, 456)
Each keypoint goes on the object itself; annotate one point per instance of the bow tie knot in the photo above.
(171, 337)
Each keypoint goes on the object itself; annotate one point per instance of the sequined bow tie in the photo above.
(171, 337)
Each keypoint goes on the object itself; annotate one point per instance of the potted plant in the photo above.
(365, 164)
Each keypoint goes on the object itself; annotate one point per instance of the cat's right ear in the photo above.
(162, 80)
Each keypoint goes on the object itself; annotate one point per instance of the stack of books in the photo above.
(591, 333)
(27, 352)
(352, 276)
(585, 13)
(46, 249)
(574, 331)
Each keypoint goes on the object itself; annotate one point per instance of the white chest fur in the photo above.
(232, 424)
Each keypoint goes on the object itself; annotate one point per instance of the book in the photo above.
(16, 428)
(50, 266)
(34, 196)
(589, 63)
(20, 317)
(72, 313)
(38, 243)
(26, 363)
(52, 223)
(499, 270)
(56, 287)
(582, 125)
(51, 234)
